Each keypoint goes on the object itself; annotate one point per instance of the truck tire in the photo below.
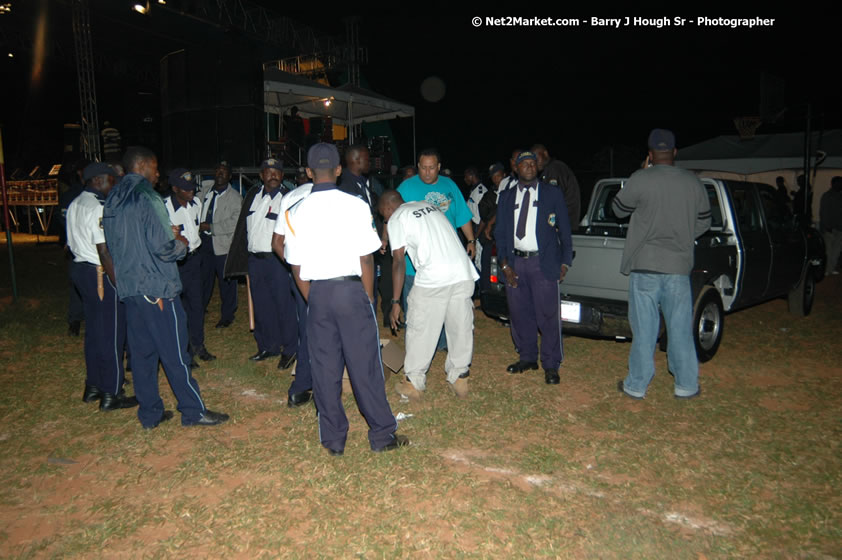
(708, 323)
(802, 295)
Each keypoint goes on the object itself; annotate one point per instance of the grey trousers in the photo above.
(428, 310)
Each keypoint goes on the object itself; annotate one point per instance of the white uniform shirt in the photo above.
(473, 201)
(290, 198)
(432, 244)
(84, 227)
(261, 219)
(327, 233)
(530, 240)
(187, 220)
(508, 182)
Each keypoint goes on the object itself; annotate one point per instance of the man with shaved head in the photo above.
(554, 172)
(440, 295)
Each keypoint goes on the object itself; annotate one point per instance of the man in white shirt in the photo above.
(92, 272)
(335, 273)
(184, 213)
(441, 294)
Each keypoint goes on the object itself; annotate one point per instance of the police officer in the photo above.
(145, 249)
(275, 318)
(184, 214)
(300, 391)
(105, 325)
(336, 275)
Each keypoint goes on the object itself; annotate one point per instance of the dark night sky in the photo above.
(575, 89)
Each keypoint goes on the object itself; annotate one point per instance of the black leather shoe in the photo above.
(551, 376)
(521, 366)
(91, 394)
(399, 441)
(165, 416)
(203, 354)
(210, 418)
(298, 399)
(223, 323)
(194, 364)
(73, 328)
(111, 401)
(335, 452)
(263, 355)
(286, 361)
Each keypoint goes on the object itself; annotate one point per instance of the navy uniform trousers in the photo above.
(190, 272)
(275, 318)
(533, 307)
(303, 377)
(161, 334)
(213, 267)
(105, 329)
(342, 330)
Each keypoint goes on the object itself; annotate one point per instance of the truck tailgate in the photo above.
(596, 269)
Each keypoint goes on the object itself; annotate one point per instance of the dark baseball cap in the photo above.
(524, 155)
(96, 169)
(661, 140)
(182, 178)
(495, 168)
(323, 156)
(272, 163)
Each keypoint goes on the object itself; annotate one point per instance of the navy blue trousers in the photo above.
(161, 334)
(342, 331)
(105, 330)
(303, 377)
(190, 272)
(275, 317)
(533, 307)
(213, 268)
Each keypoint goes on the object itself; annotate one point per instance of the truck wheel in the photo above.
(802, 295)
(708, 323)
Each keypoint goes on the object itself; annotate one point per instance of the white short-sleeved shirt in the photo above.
(290, 198)
(432, 244)
(261, 219)
(530, 240)
(473, 201)
(187, 220)
(327, 233)
(84, 227)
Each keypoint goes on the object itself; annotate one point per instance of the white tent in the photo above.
(766, 157)
(346, 105)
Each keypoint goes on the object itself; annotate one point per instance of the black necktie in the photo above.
(524, 213)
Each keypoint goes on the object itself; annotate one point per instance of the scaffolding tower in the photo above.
(85, 75)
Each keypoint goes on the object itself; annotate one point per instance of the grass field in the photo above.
(519, 469)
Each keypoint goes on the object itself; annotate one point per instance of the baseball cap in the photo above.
(323, 156)
(182, 178)
(524, 155)
(272, 163)
(661, 140)
(96, 169)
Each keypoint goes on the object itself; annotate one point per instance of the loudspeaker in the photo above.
(212, 106)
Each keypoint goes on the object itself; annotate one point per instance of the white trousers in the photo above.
(428, 310)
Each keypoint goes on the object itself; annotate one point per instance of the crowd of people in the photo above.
(146, 265)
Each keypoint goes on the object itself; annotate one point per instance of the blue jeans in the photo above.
(672, 293)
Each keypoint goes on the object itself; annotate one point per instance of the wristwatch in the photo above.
(396, 301)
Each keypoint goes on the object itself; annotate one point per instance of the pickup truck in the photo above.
(755, 250)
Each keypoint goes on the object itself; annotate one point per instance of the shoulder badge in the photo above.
(554, 182)
(551, 220)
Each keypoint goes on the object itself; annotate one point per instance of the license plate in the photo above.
(571, 311)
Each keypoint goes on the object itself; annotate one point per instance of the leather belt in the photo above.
(525, 254)
(262, 255)
(342, 279)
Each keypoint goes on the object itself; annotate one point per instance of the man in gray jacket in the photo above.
(220, 211)
(669, 209)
